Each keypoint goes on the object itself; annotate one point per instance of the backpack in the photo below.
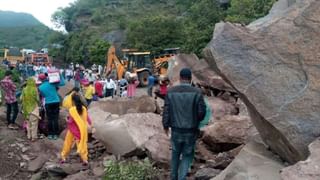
(208, 115)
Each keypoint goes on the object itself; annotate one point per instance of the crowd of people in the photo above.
(40, 102)
(185, 109)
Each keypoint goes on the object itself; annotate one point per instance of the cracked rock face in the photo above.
(276, 69)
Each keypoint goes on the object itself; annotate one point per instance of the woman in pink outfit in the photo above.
(132, 88)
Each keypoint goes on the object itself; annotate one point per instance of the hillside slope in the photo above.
(22, 30)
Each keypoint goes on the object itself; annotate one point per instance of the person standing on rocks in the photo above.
(151, 81)
(9, 89)
(78, 123)
(184, 108)
(30, 101)
(52, 105)
(109, 87)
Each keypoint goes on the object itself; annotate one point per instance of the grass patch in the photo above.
(129, 170)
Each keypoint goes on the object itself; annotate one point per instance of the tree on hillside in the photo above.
(155, 33)
(246, 11)
(98, 51)
(199, 24)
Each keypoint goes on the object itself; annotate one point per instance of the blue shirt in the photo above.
(49, 92)
(151, 81)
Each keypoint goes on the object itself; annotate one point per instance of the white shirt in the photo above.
(68, 72)
(124, 94)
(109, 85)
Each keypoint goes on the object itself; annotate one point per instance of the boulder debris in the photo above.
(120, 106)
(127, 134)
(308, 169)
(274, 68)
(229, 132)
(253, 162)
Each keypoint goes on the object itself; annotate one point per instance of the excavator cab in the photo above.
(141, 64)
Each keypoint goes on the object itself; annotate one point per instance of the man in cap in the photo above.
(184, 108)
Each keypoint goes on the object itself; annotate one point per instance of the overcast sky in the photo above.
(40, 9)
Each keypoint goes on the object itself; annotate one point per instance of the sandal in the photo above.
(62, 161)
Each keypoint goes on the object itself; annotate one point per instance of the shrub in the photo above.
(132, 170)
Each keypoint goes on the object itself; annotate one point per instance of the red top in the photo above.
(163, 89)
(74, 129)
(99, 88)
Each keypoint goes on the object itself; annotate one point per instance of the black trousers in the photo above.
(109, 92)
(52, 111)
(12, 112)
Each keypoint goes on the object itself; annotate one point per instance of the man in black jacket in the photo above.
(184, 108)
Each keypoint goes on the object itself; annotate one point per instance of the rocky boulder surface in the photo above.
(274, 66)
(232, 130)
(202, 74)
(127, 134)
(308, 169)
(120, 106)
(253, 162)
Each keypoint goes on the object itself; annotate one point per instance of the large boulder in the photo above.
(274, 68)
(203, 75)
(120, 106)
(158, 148)
(229, 132)
(127, 134)
(308, 169)
(252, 163)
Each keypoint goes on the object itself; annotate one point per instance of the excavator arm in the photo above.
(113, 63)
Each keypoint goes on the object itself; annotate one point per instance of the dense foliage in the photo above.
(22, 30)
(246, 11)
(129, 170)
(148, 24)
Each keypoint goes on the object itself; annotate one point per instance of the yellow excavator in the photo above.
(134, 64)
(139, 64)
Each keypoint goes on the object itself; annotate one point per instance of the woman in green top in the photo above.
(30, 108)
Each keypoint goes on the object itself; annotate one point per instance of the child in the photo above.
(124, 93)
(78, 122)
(30, 101)
(89, 92)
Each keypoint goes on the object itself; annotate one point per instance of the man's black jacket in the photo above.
(184, 108)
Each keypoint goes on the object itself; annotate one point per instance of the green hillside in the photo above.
(13, 19)
(22, 30)
(147, 24)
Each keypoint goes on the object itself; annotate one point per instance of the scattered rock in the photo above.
(23, 165)
(253, 162)
(98, 171)
(83, 175)
(37, 176)
(227, 133)
(72, 168)
(25, 157)
(308, 169)
(206, 173)
(54, 170)
(37, 163)
(158, 148)
(24, 149)
(273, 65)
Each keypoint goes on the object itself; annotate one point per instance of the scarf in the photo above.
(30, 97)
(82, 123)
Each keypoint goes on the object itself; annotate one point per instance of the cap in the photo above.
(185, 73)
(42, 77)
